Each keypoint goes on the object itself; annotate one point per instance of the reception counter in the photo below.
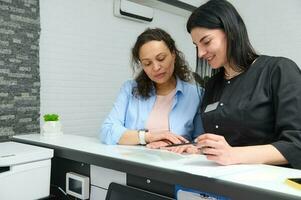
(160, 171)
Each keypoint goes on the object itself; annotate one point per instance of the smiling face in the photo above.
(212, 45)
(157, 61)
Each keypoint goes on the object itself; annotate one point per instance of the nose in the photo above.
(156, 66)
(201, 52)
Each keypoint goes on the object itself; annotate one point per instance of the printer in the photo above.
(24, 171)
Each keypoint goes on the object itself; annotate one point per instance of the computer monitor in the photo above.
(123, 192)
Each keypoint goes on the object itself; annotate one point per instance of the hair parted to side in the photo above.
(144, 83)
(220, 14)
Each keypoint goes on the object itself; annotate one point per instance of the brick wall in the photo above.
(19, 67)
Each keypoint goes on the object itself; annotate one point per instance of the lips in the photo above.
(158, 76)
(209, 58)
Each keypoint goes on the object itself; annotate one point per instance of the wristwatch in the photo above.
(141, 135)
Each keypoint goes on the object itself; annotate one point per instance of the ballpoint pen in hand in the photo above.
(181, 144)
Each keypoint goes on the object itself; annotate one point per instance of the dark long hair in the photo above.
(220, 14)
(144, 83)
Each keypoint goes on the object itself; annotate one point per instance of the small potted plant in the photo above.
(52, 126)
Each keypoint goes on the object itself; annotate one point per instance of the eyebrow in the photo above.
(203, 38)
(144, 59)
(162, 53)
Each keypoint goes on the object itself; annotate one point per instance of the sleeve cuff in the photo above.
(291, 152)
(112, 136)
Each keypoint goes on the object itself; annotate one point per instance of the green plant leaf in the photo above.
(51, 117)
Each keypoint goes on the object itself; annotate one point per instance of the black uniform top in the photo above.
(260, 106)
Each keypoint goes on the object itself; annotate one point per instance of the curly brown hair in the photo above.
(144, 83)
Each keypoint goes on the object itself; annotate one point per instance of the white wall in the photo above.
(85, 57)
(274, 26)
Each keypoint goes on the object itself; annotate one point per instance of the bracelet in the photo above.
(141, 135)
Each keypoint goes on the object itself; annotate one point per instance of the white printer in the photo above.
(24, 171)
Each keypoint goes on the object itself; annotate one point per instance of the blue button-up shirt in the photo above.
(131, 112)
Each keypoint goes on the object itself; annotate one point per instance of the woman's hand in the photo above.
(189, 148)
(166, 136)
(158, 144)
(216, 148)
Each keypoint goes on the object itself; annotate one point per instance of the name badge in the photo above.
(211, 107)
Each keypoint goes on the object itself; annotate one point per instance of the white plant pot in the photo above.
(52, 128)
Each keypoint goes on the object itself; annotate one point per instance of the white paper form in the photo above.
(190, 163)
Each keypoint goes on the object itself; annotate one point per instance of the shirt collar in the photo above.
(179, 86)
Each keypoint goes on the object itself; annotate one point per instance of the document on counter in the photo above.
(148, 155)
(190, 163)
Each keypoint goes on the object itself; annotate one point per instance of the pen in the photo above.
(181, 144)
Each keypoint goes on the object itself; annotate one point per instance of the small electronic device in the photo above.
(77, 185)
(294, 182)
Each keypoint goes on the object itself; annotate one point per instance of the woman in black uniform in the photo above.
(252, 107)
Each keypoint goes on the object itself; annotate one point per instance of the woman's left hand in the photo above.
(216, 148)
(158, 144)
(189, 148)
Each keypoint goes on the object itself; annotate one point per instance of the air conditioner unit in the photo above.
(178, 7)
(133, 11)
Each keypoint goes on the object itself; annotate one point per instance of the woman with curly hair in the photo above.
(160, 107)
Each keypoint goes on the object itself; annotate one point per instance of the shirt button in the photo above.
(216, 126)
(228, 82)
(221, 104)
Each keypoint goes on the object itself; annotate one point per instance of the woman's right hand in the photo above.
(166, 136)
